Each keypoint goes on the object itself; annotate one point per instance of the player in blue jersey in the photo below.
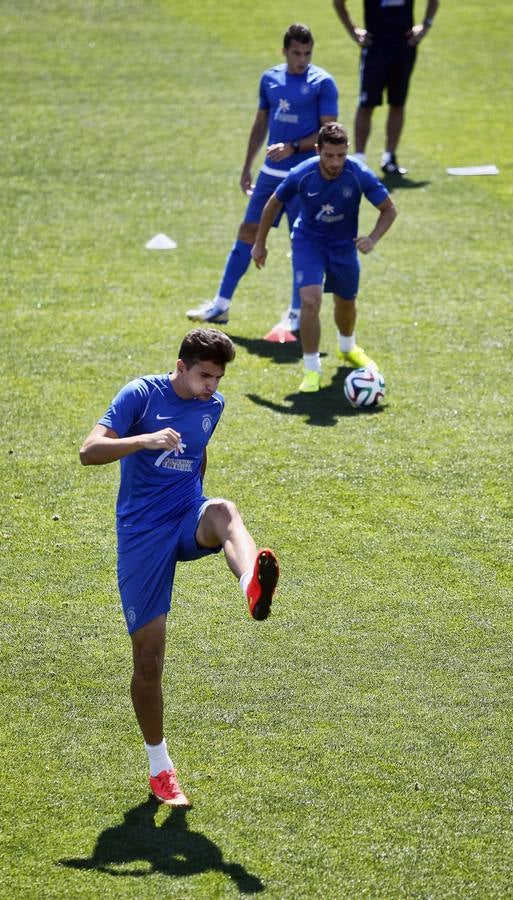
(158, 427)
(325, 242)
(295, 99)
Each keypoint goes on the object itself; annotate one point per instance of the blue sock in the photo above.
(295, 302)
(237, 264)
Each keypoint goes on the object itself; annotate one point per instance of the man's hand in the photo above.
(103, 445)
(259, 253)
(415, 35)
(364, 244)
(167, 439)
(277, 152)
(362, 37)
(246, 183)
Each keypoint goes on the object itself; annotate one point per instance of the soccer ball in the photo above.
(364, 387)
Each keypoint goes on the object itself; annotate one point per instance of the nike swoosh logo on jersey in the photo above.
(315, 194)
(160, 418)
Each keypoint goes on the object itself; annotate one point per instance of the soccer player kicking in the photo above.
(295, 99)
(325, 242)
(158, 426)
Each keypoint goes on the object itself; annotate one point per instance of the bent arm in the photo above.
(277, 152)
(387, 214)
(431, 10)
(269, 213)
(418, 32)
(359, 35)
(103, 445)
(256, 140)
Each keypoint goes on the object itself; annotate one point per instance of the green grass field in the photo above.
(358, 744)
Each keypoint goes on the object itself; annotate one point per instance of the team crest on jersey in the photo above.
(347, 192)
(206, 423)
(305, 88)
(299, 276)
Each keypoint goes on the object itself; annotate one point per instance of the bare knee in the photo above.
(311, 302)
(248, 232)
(222, 513)
(219, 518)
(148, 659)
(364, 114)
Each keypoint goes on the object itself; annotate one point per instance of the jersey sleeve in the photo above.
(263, 100)
(126, 408)
(288, 188)
(373, 188)
(328, 98)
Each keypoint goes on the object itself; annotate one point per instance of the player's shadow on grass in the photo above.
(139, 847)
(288, 352)
(401, 182)
(324, 407)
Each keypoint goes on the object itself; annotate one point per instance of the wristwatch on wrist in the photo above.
(295, 146)
(428, 22)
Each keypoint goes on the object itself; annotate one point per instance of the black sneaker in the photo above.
(392, 167)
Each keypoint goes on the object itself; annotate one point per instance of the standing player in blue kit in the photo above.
(295, 99)
(325, 242)
(158, 426)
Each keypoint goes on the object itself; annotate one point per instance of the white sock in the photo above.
(346, 343)
(158, 757)
(244, 581)
(222, 302)
(312, 362)
(385, 157)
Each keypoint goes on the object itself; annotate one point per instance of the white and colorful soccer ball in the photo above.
(364, 387)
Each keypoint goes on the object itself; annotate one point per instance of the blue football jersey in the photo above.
(295, 104)
(158, 485)
(329, 207)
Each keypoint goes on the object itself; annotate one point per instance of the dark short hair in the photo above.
(332, 133)
(202, 344)
(297, 32)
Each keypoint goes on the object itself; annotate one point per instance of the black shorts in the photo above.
(385, 67)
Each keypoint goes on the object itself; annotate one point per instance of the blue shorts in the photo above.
(264, 188)
(147, 562)
(315, 263)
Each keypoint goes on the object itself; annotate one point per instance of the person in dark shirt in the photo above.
(388, 52)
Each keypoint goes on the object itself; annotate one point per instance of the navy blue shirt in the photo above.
(388, 21)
